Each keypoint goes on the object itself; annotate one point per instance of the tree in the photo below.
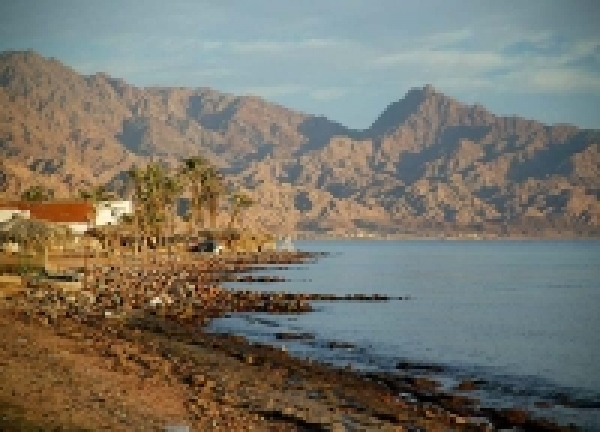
(213, 189)
(37, 193)
(126, 219)
(156, 194)
(136, 188)
(96, 194)
(152, 197)
(171, 189)
(239, 201)
(191, 174)
(92, 197)
(4, 183)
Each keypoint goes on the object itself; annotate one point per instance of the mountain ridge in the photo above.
(427, 164)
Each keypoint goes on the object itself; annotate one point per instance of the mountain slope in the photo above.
(427, 164)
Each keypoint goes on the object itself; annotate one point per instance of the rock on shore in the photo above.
(129, 353)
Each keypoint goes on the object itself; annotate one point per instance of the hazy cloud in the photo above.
(274, 91)
(283, 47)
(327, 94)
(476, 62)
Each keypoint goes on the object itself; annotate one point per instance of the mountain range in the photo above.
(428, 165)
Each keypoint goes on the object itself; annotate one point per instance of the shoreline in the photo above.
(449, 238)
(224, 382)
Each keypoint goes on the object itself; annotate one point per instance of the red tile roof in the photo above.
(11, 205)
(57, 212)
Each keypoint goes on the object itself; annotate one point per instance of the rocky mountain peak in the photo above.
(397, 113)
(427, 163)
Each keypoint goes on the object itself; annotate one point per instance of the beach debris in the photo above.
(176, 428)
(156, 301)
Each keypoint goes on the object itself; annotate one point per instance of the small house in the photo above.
(75, 215)
(10, 210)
(111, 212)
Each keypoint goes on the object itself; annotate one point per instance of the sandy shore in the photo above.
(130, 354)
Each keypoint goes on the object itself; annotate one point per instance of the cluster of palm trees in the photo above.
(156, 191)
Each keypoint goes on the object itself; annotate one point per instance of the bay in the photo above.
(521, 315)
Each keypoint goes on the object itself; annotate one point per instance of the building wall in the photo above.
(7, 214)
(109, 212)
(78, 227)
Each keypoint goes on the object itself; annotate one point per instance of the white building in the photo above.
(76, 215)
(7, 214)
(110, 212)
(71, 214)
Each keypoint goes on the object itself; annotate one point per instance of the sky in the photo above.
(345, 59)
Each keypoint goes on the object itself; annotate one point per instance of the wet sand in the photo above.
(130, 353)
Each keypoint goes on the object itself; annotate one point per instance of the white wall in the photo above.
(109, 212)
(7, 214)
(78, 228)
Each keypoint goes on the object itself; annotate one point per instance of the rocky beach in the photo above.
(130, 351)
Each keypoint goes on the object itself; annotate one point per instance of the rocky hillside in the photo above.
(428, 164)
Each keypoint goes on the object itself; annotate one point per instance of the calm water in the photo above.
(523, 315)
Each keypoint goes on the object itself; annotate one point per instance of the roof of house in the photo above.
(10, 205)
(57, 212)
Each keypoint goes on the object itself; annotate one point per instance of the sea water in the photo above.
(522, 315)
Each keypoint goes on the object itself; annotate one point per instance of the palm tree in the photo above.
(85, 194)
(160, 195)
(191, 174)
(155, 194)
(85, 255)
(137, 188)
(239, 201)
(213, 188)
(171, 189)
(154, 211)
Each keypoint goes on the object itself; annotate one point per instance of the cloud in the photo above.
(274, 90)
(316, 93)
(552, 80)
(208, 45)
(307, 53)
(256, 47)
(582, 49)
(447, 39)
(457, 49)
(325, 66)
(327, 94)
(278, 47)
(475, 61)
(556, 66)
(527, 62)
